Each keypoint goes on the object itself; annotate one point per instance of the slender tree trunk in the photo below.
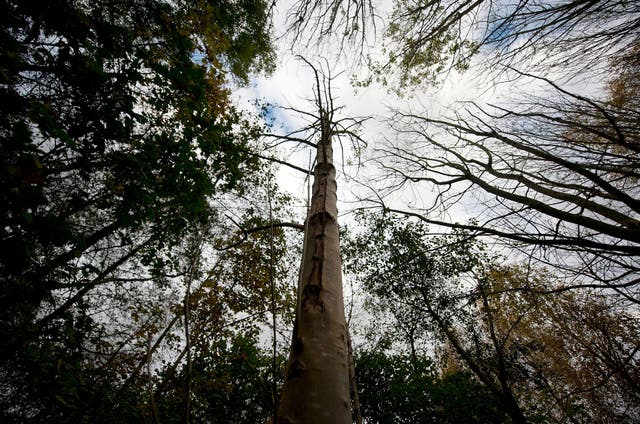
(511, 404)
(316, 388)
(355, 398)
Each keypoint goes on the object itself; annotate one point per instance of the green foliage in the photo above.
(398, 389)
(249, 267)
(528, 342)
(116, 133)
(406, 257)
(231, 384)
(54, 383)
(425, 40)
(418, 286)
(422, 42)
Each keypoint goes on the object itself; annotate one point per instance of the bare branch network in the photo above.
(556, 176)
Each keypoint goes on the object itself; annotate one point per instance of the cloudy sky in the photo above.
(292, 83)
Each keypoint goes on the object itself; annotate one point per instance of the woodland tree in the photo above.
(132, 289)
(118, 135)
(549, 177)
(425, 277)
(399, 388)
(551, 172)
(554, 179)
(318, 382)
(579, 349)
(571, 356)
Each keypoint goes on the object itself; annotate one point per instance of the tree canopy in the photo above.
(118, 135)
(150, 243)
(567, 357)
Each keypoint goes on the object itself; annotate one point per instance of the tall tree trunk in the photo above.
(316, 387)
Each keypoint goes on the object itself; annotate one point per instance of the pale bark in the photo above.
(316, 388)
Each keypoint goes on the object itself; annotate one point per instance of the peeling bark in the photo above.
(317, 385)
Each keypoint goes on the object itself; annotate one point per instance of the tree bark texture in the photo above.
(316, 388)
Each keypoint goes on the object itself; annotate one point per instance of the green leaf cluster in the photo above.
(230, 384)
(117, 132)
(396, 388)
